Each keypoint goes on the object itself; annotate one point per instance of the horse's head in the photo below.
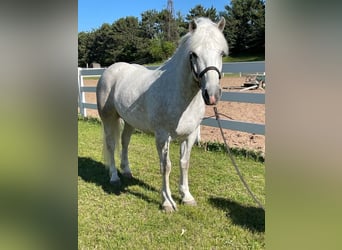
(208, 47)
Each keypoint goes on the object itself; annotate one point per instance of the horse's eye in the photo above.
(193, 55)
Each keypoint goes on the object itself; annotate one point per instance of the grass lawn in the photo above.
(131, 218)
(244, 58)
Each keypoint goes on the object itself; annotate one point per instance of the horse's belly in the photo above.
(134, 113)
(139, 121)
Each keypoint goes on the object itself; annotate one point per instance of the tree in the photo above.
(161, 50)
(150, 24)
(212, 14)
(83, 39)
(121, 41)
(161, 33)
(126, 39)
(182, 25)
(200, 11)
(168, 26)
(245, 29)
(101, 48)
(155, 38)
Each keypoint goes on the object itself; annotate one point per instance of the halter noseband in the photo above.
(198, 76)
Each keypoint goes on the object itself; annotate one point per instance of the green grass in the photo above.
(245, 58)
(130, 217)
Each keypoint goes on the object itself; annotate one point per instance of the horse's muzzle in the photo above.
(211, 99)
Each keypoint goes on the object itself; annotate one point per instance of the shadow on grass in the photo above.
(252, 218)
(95, 172)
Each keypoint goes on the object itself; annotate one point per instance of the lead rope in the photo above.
(234, 163)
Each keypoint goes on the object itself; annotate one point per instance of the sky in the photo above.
(93, 13)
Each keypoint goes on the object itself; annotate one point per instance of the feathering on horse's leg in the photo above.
(185, 151)
(125, 139)
(163, 146)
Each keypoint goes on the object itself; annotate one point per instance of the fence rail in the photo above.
(255, 98)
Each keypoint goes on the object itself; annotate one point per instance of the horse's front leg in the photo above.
(163, 145)
(185, 151)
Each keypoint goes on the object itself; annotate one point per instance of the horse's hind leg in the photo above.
(111, 127)
(125, 139)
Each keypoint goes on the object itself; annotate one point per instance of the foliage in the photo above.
(245, 57)
(130, 217)
(200, 11)
(161, 50)
(82, 48)
(150, 24)
(155, 36)
(220, 147)
(101, 49)
(245, 29)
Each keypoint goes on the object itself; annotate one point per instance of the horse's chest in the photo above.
(188, 122)
(185, 128)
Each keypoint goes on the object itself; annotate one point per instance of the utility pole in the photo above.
(171, 11)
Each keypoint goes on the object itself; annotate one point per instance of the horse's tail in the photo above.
(111, 139)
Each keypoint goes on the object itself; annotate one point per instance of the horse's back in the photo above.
(121, 90)
(117, 72)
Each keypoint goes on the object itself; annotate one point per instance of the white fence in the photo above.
(256, 98)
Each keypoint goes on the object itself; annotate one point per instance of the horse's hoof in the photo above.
(169, 209)
(116, 183)
(190, 203)
(128, 175)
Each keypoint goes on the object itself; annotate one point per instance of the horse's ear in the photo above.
(192, 25)
(221, 23)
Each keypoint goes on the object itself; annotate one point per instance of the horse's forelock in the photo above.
(206, 34)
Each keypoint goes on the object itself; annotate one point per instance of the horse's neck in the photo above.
(182, 79)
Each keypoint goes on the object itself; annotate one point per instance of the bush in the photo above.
(161, 50)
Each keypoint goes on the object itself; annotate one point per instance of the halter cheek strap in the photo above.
(198, 76)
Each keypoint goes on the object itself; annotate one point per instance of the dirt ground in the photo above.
(237, 111)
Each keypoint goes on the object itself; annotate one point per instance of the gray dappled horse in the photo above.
(168, 102)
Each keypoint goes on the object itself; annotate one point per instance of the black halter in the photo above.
(197, 75)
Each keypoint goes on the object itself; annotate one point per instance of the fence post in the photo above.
(81, 95)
